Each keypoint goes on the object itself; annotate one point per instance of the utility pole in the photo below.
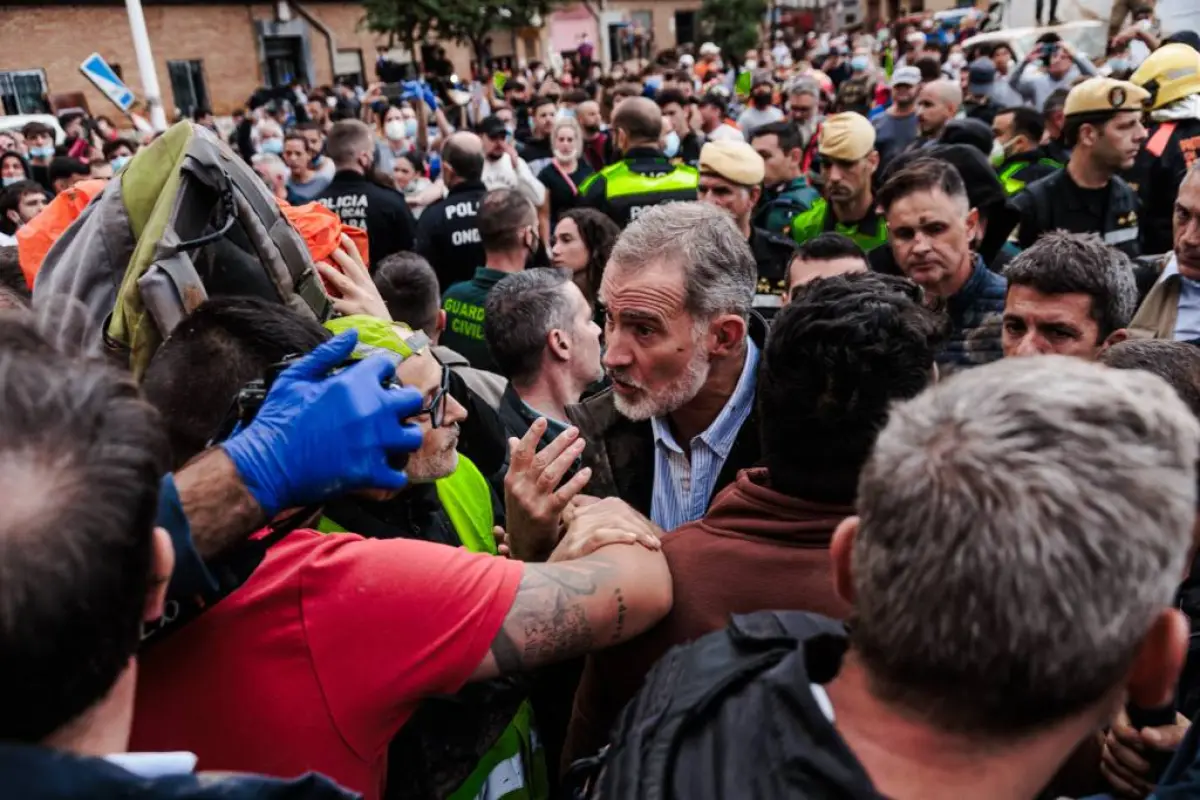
(145, 62)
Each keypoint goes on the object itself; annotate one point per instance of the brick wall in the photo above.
(56, 39)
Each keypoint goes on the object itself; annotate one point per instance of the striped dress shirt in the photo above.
(683, 486)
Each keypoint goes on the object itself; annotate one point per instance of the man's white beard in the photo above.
(676, 395)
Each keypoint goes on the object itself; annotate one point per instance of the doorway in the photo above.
(284, 57)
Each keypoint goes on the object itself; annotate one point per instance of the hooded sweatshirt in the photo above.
(755, 549)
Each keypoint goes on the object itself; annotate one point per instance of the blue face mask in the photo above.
(1118, 64)
(42, 152)
(273, 146)
(119, 162)
(12, 180)
(410, 128)
(672, 146)
(859, 63)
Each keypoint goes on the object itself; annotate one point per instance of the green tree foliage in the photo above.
(469, 22)
(733, 25)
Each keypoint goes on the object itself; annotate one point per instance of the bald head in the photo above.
(945, 91)
(587, 114)
(462, 156)
(937, 104)
(641, 121)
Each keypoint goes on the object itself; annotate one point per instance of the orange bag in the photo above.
(322, 229)
(35, 238)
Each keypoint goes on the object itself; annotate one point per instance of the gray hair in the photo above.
(272, 163)
(1080, 263)
(1021, 527)
(718, 265)
(519, 313)
(804, 86)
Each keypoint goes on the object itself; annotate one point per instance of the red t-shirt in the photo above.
(319, 659)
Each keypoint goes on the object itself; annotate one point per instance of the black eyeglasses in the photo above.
(437, 406)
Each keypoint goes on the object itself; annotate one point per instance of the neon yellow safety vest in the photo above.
(467, 499)
(633, 186)
(1008, 176)
(868, 234)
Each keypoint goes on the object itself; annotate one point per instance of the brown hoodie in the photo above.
(755, 549)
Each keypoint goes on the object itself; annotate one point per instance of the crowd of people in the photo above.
(819, 421)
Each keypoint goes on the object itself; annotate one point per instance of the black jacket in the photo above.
(380, 211)
(621, 451)
(1056, 201)
(38, 773)
(772, 254)
(448, 234)
(1169, 151)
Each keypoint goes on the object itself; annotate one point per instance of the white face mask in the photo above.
(751, 63)
(999, 153)
(394, 130)
(957, 59)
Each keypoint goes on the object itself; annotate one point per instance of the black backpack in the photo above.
(732, 715)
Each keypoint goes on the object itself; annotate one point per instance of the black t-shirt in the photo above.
(536, 150)
(563, 187)
(380, 211)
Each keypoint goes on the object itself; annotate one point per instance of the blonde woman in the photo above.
(567, 170)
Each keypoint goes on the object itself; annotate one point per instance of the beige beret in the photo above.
(846, 137)
(1099, 95)
(733, 160)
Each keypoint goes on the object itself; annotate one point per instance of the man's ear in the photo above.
(796, 156)
(755, 196)
(559, 344)
(873, 160)
(1116, 337)
(439, 326)
(841, 552)
(973, 230)
(726, 333)
(162, 564)
(1159, 660)
(13, 217)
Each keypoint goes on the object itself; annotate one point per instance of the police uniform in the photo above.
(380, 211)
(1058, 202)
(1171, 74)
(780, 205)
(643, 179)
(772, 255)
(1022, 169)
(736, 162)
(843, 137)
(448, 234)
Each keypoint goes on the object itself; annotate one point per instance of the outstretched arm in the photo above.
(565, 610)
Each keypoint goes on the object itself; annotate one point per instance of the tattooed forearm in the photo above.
(621, 609)
(549, 618)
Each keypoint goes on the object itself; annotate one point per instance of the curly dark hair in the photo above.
(599, 234)
(837, 357)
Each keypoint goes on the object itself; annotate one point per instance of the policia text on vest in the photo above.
(643, 179)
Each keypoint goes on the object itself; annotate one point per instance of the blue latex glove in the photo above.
(412, 90)
(429, 97)
(318, 437)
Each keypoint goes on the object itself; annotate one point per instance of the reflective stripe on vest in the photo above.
(1158, 142)
(513, 769)
(465, 496)
(1008, 176)
(621, 181)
